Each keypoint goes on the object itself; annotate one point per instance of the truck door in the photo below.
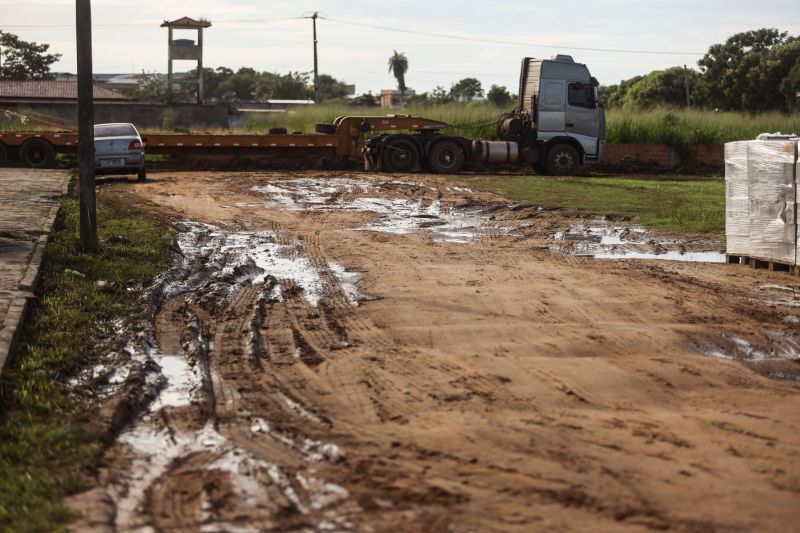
(582, 116)
(551, 108)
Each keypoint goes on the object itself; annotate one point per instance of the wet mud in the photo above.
(351, 353)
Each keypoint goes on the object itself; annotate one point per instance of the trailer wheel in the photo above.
(142, 174)
(562, 160)
(3, 154)
(446, 157)
(400, 155)
(37, 153)
(321, 127)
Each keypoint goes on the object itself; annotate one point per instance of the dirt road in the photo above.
(350, 353)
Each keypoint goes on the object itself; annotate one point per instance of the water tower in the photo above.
(186, 49)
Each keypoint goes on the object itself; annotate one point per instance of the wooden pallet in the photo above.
(765, 264)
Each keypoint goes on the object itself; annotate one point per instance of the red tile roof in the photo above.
(62, 90)
(186, 22)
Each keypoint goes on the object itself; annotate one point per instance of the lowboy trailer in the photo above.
(557, 126)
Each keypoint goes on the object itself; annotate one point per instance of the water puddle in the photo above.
(456, 224)
(625, 242)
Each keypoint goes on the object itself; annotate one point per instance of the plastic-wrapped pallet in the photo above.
(771, 192)
(737, 201)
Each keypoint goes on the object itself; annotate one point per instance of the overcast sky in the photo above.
(454, 38)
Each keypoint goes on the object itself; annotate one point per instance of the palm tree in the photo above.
(398, 66)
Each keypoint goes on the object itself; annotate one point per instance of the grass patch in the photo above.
(48, 438)
(685, 206)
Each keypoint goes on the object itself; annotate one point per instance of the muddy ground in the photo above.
(334, 351)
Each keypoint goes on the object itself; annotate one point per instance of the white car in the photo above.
(118, 149)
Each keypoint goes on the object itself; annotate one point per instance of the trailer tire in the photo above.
(562, 160)
(446, 157)
(37, 153)
(321, 127)
(400, 155)
(142, 174)
(277, 131)
(3, 154)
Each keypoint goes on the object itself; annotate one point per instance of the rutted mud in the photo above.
(351, 353)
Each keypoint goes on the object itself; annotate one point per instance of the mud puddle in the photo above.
(178, 436)
(602, 241)
(404, 215)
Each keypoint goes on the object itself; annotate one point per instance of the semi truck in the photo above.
(557, 125)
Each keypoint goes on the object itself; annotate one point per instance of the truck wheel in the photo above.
(446, 157)
(142, 174)
(562, 160)
(400, 155)
(321, 127)
(37, 153)
(3, 154)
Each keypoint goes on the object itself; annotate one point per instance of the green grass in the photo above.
(684, 206)
(49, 436)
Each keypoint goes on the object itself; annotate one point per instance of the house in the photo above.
(391, 98)
(51, 92)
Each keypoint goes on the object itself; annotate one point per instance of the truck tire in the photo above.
(142, 174)
(277, 131)
(321, 127)
(562, 160)
(3, 154)
(37, 153)
(446, 157)
(400, 155)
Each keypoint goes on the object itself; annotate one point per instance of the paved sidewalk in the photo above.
(28, 207)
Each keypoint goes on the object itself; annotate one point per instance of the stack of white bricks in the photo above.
(761, 199)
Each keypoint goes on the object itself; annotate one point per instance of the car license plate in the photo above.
(110, 163)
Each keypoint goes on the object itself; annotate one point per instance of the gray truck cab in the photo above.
(560, 97)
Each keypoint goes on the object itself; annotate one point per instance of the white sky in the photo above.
(269, 35)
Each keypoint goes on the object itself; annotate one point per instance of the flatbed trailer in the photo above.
(343, 139)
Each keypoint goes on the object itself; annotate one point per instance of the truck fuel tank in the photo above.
(495, 151)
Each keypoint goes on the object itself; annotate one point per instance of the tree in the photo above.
(661, 88)
(614, 95)
(440, 95)
(499, 96)
(150, 87)
(330, 87)
(242, 84)
(466, 89)
(366, 100)
(289, 86)
(23, 60)
(745, 72)
(398, 66)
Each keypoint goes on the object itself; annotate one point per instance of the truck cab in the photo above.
(559, 103)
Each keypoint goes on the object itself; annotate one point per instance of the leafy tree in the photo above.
(746, 71)
(330, 87)
(242, 84)
(366, 100)
(150, 87)
(661, 88)
(440, 95)
(398, 66)
(24, 60)
(614, 95)
(289, 86)
(499, 96)
(466, 89)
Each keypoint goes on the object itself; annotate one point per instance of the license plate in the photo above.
(118, 162)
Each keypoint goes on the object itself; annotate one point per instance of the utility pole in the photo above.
(686, 85)
(88, 206)
(314, 18)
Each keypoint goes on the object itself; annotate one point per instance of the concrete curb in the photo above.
(12, 327)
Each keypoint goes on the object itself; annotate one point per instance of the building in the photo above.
(393, 98)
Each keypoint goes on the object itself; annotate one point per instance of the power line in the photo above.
(511, 43)
(141, 24)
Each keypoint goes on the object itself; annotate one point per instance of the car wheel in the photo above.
(400, 155)
(446, 157)
(38, 153)
(142, 174)
(562, 160)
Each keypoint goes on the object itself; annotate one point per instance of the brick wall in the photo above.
(662, 155)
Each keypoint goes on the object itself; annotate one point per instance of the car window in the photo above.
(114, 130)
